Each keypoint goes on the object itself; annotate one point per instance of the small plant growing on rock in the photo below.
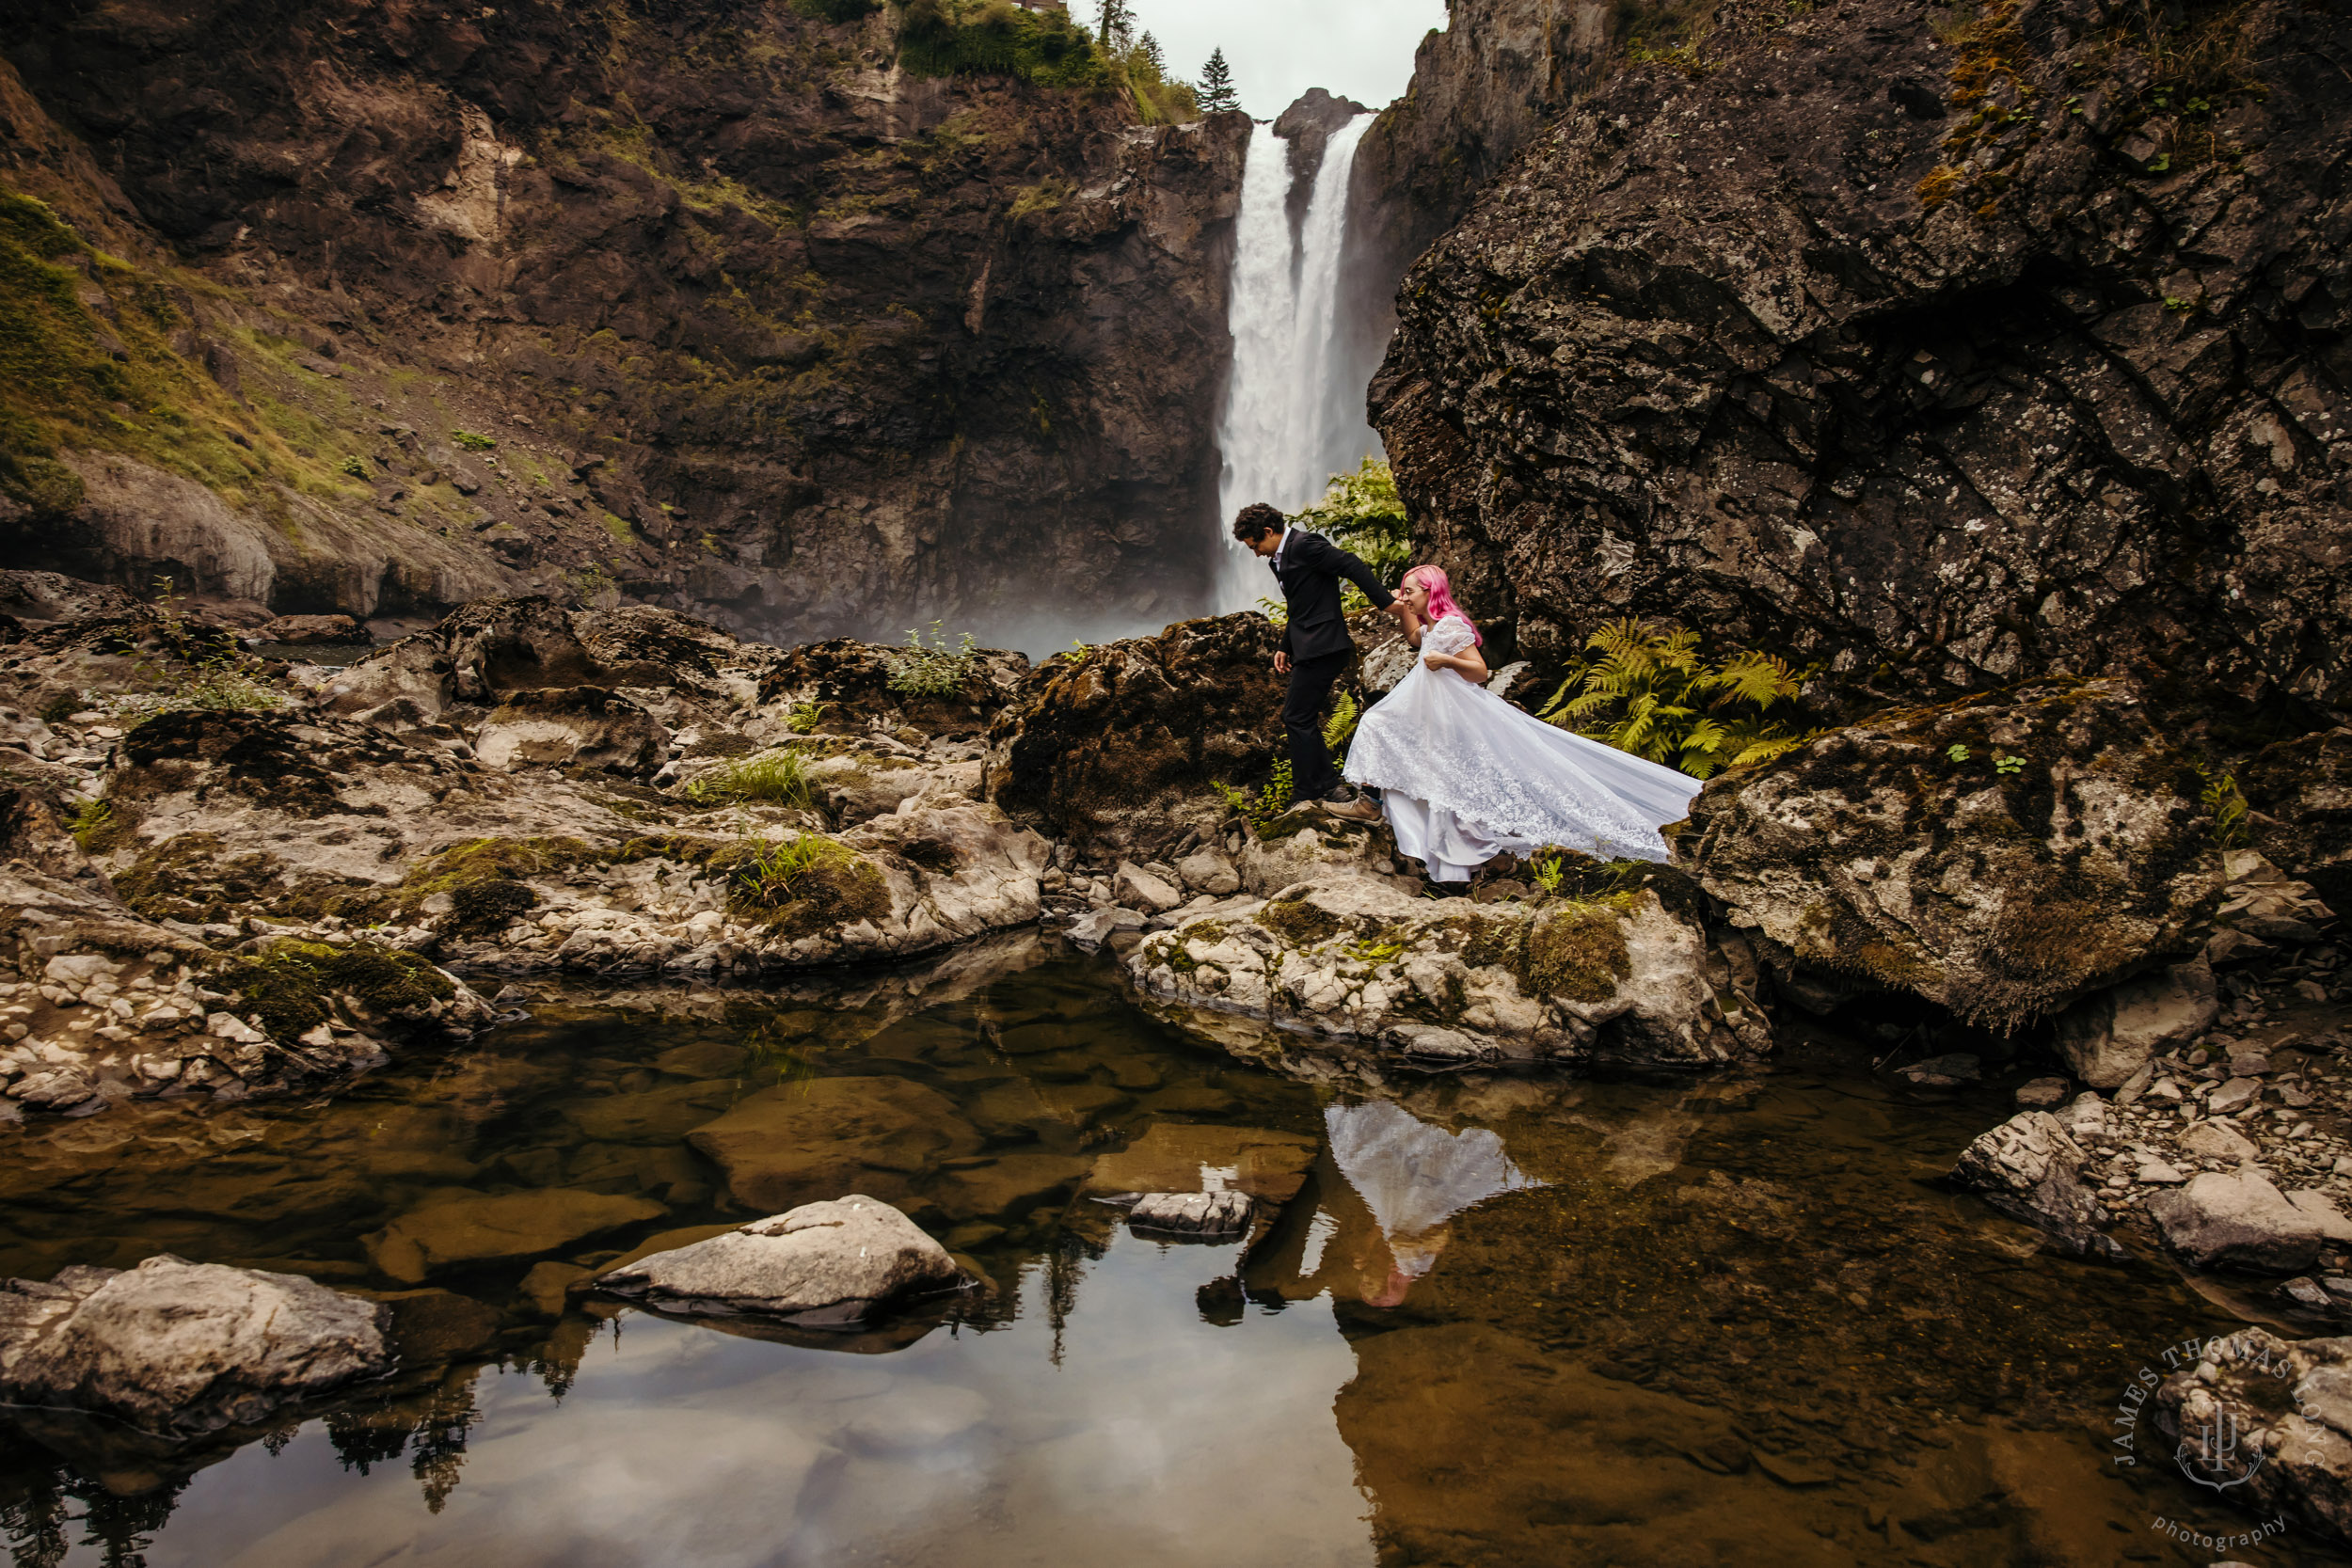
(223, 682)
(2228, 803)
(472, 442)
(89, 823)
(803, 717)
(355, 468)
(933, 669)
(2006, 764)
(1274, 611)
(1548, 869)
(1652, 694)
(1958, 752)
(1271, 801)
(777, 778)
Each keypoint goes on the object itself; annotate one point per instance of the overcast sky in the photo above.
(1278, 49)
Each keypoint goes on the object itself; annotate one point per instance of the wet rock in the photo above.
(781, 1145)
(836, 1261)
(2028, 1168)
(182, 1349)
(2041, 886)
(1628, 978)
(2237, 1221)
(2291, 1403)
(1194, 1216)
(1124, 746)
(2041, 1093)
(2108, 1038)
(509, 1227)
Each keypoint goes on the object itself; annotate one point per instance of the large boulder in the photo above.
(861, 685)
(821, 1264)
(2003, 856)
(2300, 794)
(180, 1349)
(2236, 1220)
(2289, 1405)
(1125, 744)
(1622, 971)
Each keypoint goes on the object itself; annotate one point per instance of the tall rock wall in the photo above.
(1942, 347)
(761, 325)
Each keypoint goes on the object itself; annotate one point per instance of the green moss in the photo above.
(487, 908)
(188, 877)
(1578, 952)
(1299, 923)
(1206, 931)
(801, 886)
(291, 986)
(481, 861)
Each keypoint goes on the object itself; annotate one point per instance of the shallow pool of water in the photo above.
(1505, 1320)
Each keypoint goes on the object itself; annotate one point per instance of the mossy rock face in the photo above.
(1299, 923)
(832, 887)
(292, 987)
(1578, 952)
(250, 754)
(189, 878)
(463, 870)
(2001, 856)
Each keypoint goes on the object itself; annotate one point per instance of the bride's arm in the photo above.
(1467, 663)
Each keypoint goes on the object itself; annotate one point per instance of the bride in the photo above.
(1464, 776)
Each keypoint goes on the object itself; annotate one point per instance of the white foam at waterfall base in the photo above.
(1286, 429)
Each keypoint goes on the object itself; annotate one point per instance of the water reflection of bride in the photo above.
(1410, 1179)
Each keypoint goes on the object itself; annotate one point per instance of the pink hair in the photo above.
(1440, 596)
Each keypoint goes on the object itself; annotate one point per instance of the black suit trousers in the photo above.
(1311, 773)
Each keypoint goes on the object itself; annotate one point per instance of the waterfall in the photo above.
(1286, 428)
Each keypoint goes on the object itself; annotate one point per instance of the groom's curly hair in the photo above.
(1257, 520)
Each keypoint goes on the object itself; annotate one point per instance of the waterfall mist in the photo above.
(1290, 421)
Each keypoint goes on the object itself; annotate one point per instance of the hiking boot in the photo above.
(1351, 805)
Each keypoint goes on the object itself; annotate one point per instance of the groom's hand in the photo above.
(1281, 664)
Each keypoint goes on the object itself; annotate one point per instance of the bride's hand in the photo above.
(1439, 661)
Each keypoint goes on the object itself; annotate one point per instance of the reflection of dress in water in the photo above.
(1413, 1177)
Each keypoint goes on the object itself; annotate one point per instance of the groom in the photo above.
(1315, 645)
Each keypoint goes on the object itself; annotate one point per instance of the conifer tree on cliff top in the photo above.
(1216, 85)
(1118, 24)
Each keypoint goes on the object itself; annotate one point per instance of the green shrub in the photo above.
(934, 669)
(221, 683)
(1650, 692)
(779, 778)
(1361, 513)
(995, 38)
(471, 442)
(355, 468)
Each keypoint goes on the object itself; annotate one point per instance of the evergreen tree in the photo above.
(1119, 26)
(1216, 85)
(1149, 48)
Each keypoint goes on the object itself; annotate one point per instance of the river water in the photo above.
(1505, 1320)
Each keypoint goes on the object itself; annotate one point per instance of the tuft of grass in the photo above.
(472, 442)
(803, 717)
(778, 778)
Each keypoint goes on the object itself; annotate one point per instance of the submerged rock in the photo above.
(182, 1349)
(508, 1226)
(783, 1146)
(1909, 850)
(836, 1261)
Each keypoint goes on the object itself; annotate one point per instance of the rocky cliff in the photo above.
(378, 309)
(1942, 347)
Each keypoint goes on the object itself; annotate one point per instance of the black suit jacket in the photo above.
(1310, 568)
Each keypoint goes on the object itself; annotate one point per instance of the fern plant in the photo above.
(1269, 803)
(2229, 806)
(1340, 728)
(1651, 692)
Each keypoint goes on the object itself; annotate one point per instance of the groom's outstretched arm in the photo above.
(1337, 562)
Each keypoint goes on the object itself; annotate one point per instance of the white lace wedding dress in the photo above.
(1464, 776)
